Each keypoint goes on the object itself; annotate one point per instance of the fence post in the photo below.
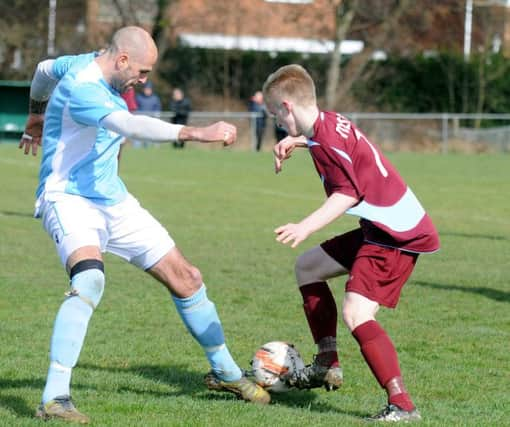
(444, 133)
(253, 127)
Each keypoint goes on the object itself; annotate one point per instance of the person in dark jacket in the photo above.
(148, 103)
(180, 105)
(256, 105)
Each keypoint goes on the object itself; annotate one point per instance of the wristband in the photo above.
(37, 107)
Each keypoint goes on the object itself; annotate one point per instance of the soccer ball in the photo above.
(273, 359)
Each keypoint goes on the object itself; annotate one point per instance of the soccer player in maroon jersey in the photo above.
(379, 256)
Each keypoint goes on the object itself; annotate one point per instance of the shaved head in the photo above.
(135, 41)
(129, 58)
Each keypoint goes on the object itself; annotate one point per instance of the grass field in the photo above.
(140, 368)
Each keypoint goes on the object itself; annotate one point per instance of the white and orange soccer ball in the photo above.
(272, 360)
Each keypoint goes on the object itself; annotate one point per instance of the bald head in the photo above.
(129, 58)
(135, 41)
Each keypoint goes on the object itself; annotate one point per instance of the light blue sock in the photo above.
(57, 382)
(66, 342)
(201, 319)
(69, 331)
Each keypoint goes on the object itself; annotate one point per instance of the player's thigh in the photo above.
(76, 227)
(175, 272)
(135, 235)
(315, 265)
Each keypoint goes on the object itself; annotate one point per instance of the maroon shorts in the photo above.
(376, 272)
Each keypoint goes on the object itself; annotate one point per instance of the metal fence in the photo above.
(437, 132)
(433, 132)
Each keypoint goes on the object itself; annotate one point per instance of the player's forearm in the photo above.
(190, 133)
(297, 141)
(141, 127)
(42, 86)
(334, 207)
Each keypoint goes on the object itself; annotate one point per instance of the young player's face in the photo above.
(282, 112)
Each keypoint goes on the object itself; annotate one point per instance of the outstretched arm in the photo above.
(334, 206)
(147, 128)
(42, 85)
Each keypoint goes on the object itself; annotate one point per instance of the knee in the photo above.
(349, 315)
(87, 281)
(355, 313)
(194, 276)
(187, 280)
(304, 270)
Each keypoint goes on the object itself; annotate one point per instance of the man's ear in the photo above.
(122, 61)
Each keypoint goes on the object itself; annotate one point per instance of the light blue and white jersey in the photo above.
(79, 156)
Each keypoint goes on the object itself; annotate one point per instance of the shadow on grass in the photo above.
(21, 214)
(494, 294)
(191, 383)
(15, 403)
(183, 381)
(472, 235)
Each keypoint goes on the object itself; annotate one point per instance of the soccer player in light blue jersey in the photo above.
(86, 209)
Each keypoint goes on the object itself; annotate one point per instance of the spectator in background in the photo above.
(148, 103)
(130, 98)
(256, 105)
(180, 105)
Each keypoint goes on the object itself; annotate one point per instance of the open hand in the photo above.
(32, 136)
(292, 233)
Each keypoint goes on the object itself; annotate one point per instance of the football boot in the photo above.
(315, 375)
(61, 408)
(242, 388)
(392, 414)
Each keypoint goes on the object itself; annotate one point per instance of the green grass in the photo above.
(140, 367)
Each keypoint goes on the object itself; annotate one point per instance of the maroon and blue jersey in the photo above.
(349, 163)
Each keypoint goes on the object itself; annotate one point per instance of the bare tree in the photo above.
(345, 11)
(22, 40)
(375, 22)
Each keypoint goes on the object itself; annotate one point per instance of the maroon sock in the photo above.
(321, 313)
(397, 394)
(381, 357)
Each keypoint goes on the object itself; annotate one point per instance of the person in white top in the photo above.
(87, 210)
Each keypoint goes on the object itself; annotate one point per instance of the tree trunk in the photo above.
(344, 14)
(358, 62)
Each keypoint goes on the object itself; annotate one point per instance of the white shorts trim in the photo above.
(125, 229)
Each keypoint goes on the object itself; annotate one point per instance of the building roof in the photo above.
(268, 44)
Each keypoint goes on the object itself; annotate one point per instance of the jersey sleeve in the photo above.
(63, 64)
(90, 103)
